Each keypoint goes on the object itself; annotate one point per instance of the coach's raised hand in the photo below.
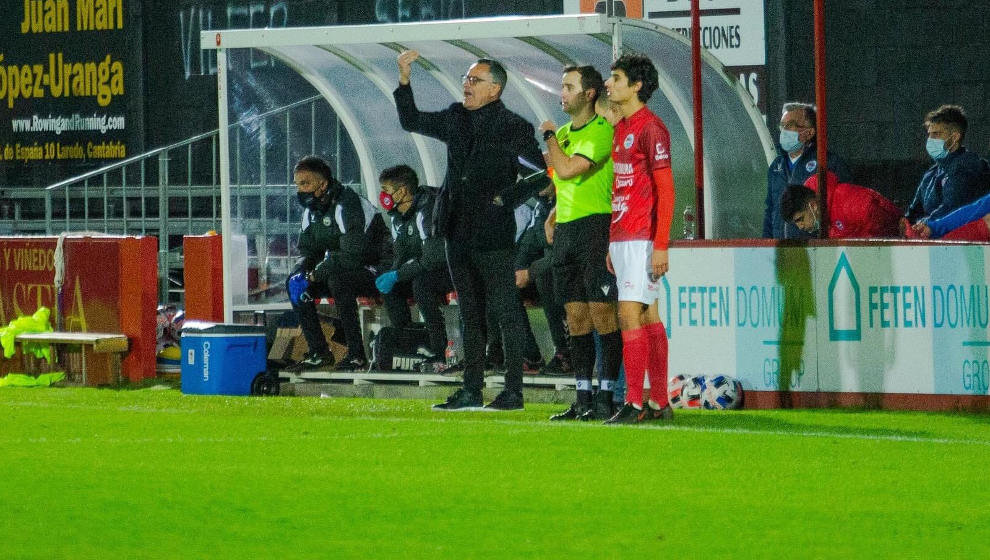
(405, 60)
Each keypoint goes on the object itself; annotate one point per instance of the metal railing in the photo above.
(174, 190)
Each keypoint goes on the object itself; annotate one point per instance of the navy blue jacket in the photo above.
(782, 173)
(958, 179)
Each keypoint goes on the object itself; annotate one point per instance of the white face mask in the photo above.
(789, 140)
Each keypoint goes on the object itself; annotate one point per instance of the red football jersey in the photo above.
(640, 146)
(857, 211)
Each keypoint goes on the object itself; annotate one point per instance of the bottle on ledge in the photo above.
(689, 222)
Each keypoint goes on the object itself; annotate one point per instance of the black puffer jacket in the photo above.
(481, 187)
(534, 253)
(343, 232)
(417, 249)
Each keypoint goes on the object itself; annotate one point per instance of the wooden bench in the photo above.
(98, 343)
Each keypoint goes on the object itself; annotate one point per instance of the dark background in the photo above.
(889, 62)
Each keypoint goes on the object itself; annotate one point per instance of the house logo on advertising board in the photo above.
(844, 313)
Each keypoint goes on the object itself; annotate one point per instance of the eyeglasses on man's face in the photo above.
(473, 80)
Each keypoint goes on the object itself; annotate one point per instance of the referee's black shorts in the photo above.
(579, 249)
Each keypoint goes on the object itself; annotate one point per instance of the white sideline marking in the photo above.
(97, 439)
(674, 428)
(443, 417)
(869, 437)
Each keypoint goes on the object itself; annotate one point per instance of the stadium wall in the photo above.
(895, 325)
(110, 286)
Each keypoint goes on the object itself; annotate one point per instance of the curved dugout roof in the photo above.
(354, 68)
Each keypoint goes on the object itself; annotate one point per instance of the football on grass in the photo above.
(684, 391)
(722, 392)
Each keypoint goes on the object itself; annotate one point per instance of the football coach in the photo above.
(488, 148)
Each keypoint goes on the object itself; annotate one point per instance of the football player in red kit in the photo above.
(642, 210)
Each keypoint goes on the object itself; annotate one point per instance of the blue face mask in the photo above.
(789, 140)
(936, 148)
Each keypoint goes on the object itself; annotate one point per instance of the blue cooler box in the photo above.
(221, 359)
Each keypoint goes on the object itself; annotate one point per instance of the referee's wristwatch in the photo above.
(548, 134)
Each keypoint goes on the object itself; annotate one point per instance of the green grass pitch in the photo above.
(90, 473)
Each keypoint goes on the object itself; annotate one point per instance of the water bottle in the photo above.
(688, 222)
(450, 355)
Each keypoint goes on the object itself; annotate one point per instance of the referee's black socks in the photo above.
(583, 362)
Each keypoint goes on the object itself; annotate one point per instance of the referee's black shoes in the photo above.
(602, 407)
(576, 411)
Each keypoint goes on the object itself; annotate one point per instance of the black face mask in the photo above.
(307, 200)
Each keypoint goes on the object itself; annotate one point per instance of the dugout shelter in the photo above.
(353, 69)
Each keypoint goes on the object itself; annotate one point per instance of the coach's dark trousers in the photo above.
(487, 279)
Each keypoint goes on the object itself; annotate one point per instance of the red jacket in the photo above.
(856, 211)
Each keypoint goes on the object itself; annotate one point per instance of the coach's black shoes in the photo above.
(576, 410)
(506, 400)
(628, 414)
(461, 399)
(650, 414)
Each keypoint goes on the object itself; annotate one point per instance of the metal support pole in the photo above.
(337, 150)
(124, 210)
(228, 310)
(821, 133)
(106, 204)
(67, 207)
(85, 204)
(144, 200)
(616, 40)
(699, 134)
(263, 191)
(48, 212)
(312, 127)
(213, 182)
(163, 227)
(189, 189)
